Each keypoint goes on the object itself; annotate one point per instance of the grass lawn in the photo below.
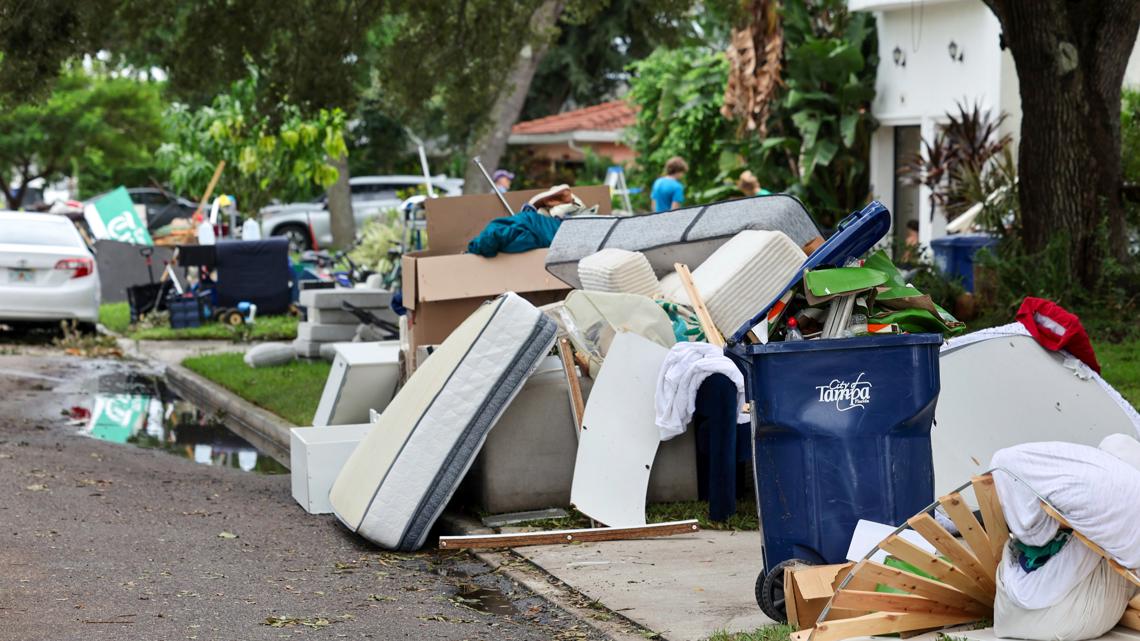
(117, 318)
(1120, 366)
(776, 632)
(290, 391)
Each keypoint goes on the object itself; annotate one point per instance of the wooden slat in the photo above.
(712, 334)
(801, 635)
(883, 623)
(957, 553)
(996, 529)
(210, 187)
(891, 602)
(490, 541)
(1119, 569)
(937, 567)
(1131, 619)
(915, 584)
(577, 405)
(1135, 602)
(971, 531)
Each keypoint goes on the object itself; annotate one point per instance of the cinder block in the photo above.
(325, 333)
(326, 316)
(332, 298)
(316, 455)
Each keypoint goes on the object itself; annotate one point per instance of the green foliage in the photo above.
(116, 317)
(1130, 162)
(774, 632)
(285, 156)
(819, 125)
(379, 237)
(291, 391)
(87, 122)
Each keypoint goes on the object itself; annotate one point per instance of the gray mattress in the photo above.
(398, 480)
(688, 235)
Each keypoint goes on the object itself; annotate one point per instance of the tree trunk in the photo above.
(341, 220)
(492, 142)
(1070, 61)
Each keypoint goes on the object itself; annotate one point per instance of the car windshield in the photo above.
(38, 232)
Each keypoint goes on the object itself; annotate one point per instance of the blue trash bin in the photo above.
(841, 427)
(954, 255)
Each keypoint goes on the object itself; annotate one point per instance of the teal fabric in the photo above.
(667, 191)
(522, 232)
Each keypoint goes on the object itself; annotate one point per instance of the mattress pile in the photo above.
(398, 480)
(618, 271)
(746, 274)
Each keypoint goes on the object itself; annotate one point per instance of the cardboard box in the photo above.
(442, 285)
(808, 588)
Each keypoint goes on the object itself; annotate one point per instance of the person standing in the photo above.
(502, 179)
(749, 184)
(668, 192)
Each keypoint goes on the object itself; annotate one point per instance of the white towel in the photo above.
(685, 368)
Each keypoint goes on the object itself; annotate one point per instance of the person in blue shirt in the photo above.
(668, 191)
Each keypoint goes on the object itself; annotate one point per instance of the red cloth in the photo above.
(1056, 328)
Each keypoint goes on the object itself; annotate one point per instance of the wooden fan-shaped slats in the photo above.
(957, 553)
(996, 529)
(971, 531)
(883, 623)
(914, 584)
(892, 602)
(936, 567)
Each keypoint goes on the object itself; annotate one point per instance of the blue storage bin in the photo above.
(841, 427)
(954, 255)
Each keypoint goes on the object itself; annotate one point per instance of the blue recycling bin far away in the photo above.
(954, 255)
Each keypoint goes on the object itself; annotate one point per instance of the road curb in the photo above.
(263, 429)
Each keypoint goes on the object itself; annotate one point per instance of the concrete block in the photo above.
(332, 298)
(325, 333)
(363, 377)
(325, 316)
(316, 455)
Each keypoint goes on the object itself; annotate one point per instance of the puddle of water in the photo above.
(484, 599)
(138, 409)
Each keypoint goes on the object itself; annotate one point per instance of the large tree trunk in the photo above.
(341, 220)
(492, 142)
(1070, 61)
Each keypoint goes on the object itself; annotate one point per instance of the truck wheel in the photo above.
(770, 590)
(298, 236)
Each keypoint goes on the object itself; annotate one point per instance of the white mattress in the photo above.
(618, 271)
(396, 483)
(745, 274)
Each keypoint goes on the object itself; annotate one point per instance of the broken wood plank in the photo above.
(914, 584)
(937, 567)
(957, 553)
(1135, 602)
(1131, 618)
(883, 623)
(971, 531)
(990, 505)
(553, 537)
(210, 187)
(577, 405)
(871, 601)
(1119, 569)
(712, 334)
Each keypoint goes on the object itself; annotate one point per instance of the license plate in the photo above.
(20, 275)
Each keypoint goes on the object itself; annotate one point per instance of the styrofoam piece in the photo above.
(307, 349)
(327, 316)
(619, 437)
(868, 534)
(1006, 391)
(363, 377)
(316, 455)
(325, 333)
(332, 298)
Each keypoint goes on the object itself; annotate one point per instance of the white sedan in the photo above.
(47, 273)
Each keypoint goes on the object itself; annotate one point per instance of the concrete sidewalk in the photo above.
(172, 352)
(685, 588)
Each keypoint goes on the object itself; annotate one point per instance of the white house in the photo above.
(932, 55)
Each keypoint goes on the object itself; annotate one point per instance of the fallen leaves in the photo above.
(36, 487)
(227, 535)
(288, 622)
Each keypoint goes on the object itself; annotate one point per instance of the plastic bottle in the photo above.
(793, 333)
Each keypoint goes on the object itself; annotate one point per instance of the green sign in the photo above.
(114, 217)
(117, 417)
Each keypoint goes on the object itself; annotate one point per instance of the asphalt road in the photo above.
(104, 541)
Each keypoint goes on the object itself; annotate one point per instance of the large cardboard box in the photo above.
(442, 285)
(808, 588)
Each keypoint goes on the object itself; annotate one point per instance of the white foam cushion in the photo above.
(745, 274)
(618, 271)
(400, 477)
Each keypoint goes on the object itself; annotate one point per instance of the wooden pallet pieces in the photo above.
(712, 334)
(554, 537)
(964, 574)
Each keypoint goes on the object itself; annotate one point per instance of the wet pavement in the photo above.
(107, 535)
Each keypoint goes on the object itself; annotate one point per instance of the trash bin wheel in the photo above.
(770, 590)
(233, 318)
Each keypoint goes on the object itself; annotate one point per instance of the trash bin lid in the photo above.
(977, 241)
(852, 238)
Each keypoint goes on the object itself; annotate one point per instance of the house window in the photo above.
(907, 201)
